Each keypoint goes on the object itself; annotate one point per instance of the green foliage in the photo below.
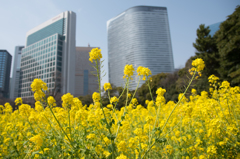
(87, 99)
(206, 48)
(228, 44)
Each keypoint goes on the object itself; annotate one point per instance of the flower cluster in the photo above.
(96, 97)
(206, 126)
(198, 66)
(107, 86)
(67, 100)
(18, 101)
(38, 86)
(128, 71)
(95, 54)
(143, 71)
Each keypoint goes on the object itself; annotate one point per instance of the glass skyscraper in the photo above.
(139, 36)
(85, 82)
(15, 91)
(214, 28)
(5, 68)
(50, 55)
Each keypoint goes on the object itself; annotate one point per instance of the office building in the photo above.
(50, 55)
(85, 82)
(14, 89)
(214, 28)
(5, 69)
(139, 36)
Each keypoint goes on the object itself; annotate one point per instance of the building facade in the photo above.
(14, 89)
(85, 82)
(214, 28)
(5, 69)
(139, 36)
(50, 55)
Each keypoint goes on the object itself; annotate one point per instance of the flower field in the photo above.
(201, 126)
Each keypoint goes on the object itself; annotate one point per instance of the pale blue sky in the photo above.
(17, 17)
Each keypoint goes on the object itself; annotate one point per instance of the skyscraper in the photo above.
(15, 91)
(139, 36)
(214, 28)
(85, 82)
(5, 68)
(50, 55)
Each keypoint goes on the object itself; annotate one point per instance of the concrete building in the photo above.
(5, 69)
(14, 90)
(139, 36)
(50, 55)
(85, 82)
(214, 28)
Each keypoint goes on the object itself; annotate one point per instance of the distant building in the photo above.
(85, 82)
(214, 28)
(14, 90)
(50, 55)
(5, 68)
(139, 36)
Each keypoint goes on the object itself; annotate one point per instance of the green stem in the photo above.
(171, 113)
(136, 89)
(179, 100)
(124, 107)
(61, 127)
(69, 123)
(150, 89)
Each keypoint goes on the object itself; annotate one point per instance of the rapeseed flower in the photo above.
(51, 101)
(114, 99)
(96, 97)
(143, 71)
(18, 101)
(107, 86)
(128, 71)
(95, 54)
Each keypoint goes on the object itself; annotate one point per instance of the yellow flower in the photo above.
(225, 84)
(95, 54)
(51, 101)
(122, 156)
(67, 100)
(128, 71)
(160, 91)
(129, 95)
(8, 108)
(122, 146)
(96, 97)
(106, 153)
(18, 101)
(213, 79)
(194, 91)
(37, 140)
(143, 71)
(198, 64)
(38, 84)
(91, 136)
(107, 86)
(134, 101)
(114, 99)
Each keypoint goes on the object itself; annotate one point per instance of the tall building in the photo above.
(214, 28)
(139, 36)
(50, 55)
(85, 82)
(14, 89)
(5, 68)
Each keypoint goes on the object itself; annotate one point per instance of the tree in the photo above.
(228, 44)
(206, 48)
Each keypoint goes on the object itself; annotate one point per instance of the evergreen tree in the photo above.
(228, 44)
(206, 48)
